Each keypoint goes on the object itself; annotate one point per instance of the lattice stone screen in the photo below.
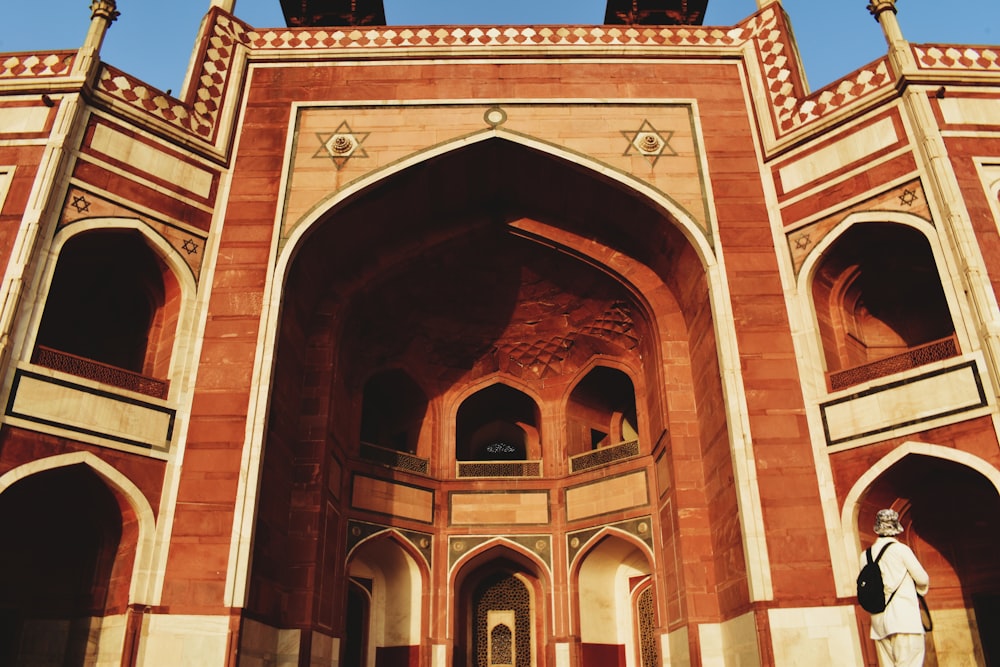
(503, 600)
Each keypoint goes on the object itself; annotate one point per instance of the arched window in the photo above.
(112, 306)
(879, 304)
(392, 412)
(498, 423)
(601, 411)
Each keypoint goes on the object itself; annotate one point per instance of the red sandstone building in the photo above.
(530, 346)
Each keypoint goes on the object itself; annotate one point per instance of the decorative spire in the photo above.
(876, 7)
(900, 55)
(102, 14)
(105, 9)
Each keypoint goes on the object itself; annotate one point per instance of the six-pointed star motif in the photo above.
(341, 145)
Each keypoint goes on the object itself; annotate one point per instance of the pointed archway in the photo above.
(615, 604)
(499, 610)
(384, 617)
(493, 263)
(951, 516)
(64, 566)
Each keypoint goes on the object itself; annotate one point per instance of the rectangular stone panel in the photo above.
(23, 120)
(144, 157)
(77, 408)
(850, 150)
(607, 496)
(970, 111)
(391, 499)
(937, 394)
(821, 636)
(470, 509)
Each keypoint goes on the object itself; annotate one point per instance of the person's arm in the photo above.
(917, 571)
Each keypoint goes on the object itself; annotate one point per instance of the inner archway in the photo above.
(495, 265)
(384, 618)
(499, 619)
(62, 569)
(951, 516)
(615, 605)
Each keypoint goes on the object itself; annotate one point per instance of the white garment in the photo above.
(901, 650)
(902, 573)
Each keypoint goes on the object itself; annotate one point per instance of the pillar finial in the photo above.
(105, 9)
(876, 7)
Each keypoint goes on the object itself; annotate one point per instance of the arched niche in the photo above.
(950, 511)
(386, 584)
(615, 620)
(393, 411)
(498, 423)
(601, 411)
(112, 309)
(500, 594)
(879, 303)
(67, 564)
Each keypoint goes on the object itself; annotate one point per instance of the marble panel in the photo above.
(970, 111)
(606, 496)
(839, 154)
(815, 636)
(146, 158)
(733, 642)
(917, 399)
(88, 411)
(192, 641)
(16, 120)
(499, 508)
(376, 495)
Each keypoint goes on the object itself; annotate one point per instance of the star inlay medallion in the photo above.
(648, 142)
(341, 145)
(81, 204)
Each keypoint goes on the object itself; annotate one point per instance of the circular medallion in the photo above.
(495, 116)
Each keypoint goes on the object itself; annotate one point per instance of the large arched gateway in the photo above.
(486, 319)
(587, 345)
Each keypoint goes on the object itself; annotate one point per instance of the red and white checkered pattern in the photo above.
(497, 36)
(791, 111)
(25, 65)
(962, 58)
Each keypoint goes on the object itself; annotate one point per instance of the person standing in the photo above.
(898, 631)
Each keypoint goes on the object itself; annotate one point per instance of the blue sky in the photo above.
(153, 39)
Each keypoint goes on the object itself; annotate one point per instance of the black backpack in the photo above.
(871, 590)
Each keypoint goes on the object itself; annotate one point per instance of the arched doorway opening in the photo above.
(951, 516)
(616, 607)
(385, 605)
(499, 612)
(111, 312)
(64, 566)
(493, 264)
